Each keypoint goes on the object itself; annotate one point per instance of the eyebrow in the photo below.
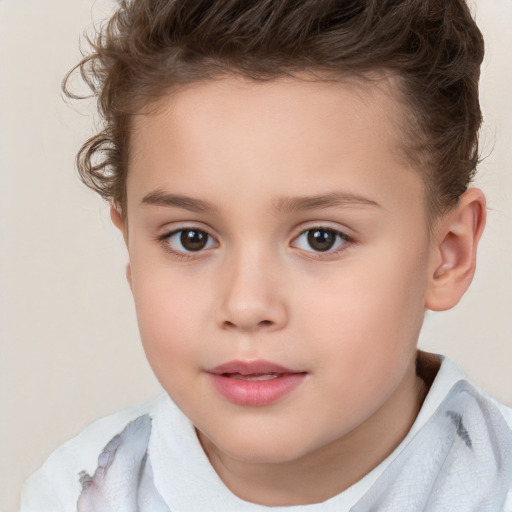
(281, 205)
(160, 198)
(347, 199)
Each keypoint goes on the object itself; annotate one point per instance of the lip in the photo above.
(254, 383)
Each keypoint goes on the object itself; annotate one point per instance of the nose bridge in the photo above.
(251, 296)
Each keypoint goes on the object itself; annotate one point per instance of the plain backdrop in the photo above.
(69, 348)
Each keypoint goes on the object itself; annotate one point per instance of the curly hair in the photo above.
(149, 47)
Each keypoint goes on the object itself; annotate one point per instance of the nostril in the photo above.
(263, 324)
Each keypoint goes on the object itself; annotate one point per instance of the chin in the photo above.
(261, 449)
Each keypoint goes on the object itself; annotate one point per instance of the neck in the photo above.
(327, 471)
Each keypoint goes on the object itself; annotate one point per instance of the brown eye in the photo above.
(321, 239)
(188, 240)
(193, 239)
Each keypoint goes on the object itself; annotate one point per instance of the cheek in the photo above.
(367, 323)
(379, 293)
(169, 317)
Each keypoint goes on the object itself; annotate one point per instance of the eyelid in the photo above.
(163, 240)
(174, 227)
(348, 240)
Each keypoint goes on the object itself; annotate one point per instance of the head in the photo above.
(291, 179)
(433, 49)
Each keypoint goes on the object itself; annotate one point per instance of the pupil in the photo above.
(193, 240)
(321, 239)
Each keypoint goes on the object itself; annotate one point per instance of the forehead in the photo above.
(295, 134)
(286, 102)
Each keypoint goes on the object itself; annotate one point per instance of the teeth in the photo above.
(267, 376)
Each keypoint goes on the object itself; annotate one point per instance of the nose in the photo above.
(252, 295)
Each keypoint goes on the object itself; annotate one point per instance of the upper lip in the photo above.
(250, 368)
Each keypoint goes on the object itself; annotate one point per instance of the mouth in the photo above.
(251, 368)
(253, 377)
(254, 383)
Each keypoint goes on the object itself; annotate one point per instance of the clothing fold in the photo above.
(457, 457)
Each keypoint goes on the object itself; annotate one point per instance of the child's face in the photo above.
(237, 194)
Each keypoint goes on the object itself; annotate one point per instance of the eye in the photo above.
(321, 240)
(189, 240)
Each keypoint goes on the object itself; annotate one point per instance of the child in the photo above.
(291, 180)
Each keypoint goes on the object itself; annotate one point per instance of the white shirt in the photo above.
(456, 457)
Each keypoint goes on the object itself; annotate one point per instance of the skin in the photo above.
(349, 317)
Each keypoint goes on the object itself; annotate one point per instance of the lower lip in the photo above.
(256, 392)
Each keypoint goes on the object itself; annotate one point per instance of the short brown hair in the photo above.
(433, 46)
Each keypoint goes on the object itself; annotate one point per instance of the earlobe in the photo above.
(129, 275)
(454, 251)
(120, 224)
(117, 218)
(118, 221)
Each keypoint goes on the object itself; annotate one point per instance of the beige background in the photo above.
(69, 348)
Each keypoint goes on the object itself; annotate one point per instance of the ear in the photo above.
(118, 220)
(129, 275)
(454, 251)
(120, 224)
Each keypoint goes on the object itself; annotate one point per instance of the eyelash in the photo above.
(184, 255)
(343, 241)
(346, 241)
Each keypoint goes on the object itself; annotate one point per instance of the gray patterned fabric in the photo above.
(459, 461)
(123, 480)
